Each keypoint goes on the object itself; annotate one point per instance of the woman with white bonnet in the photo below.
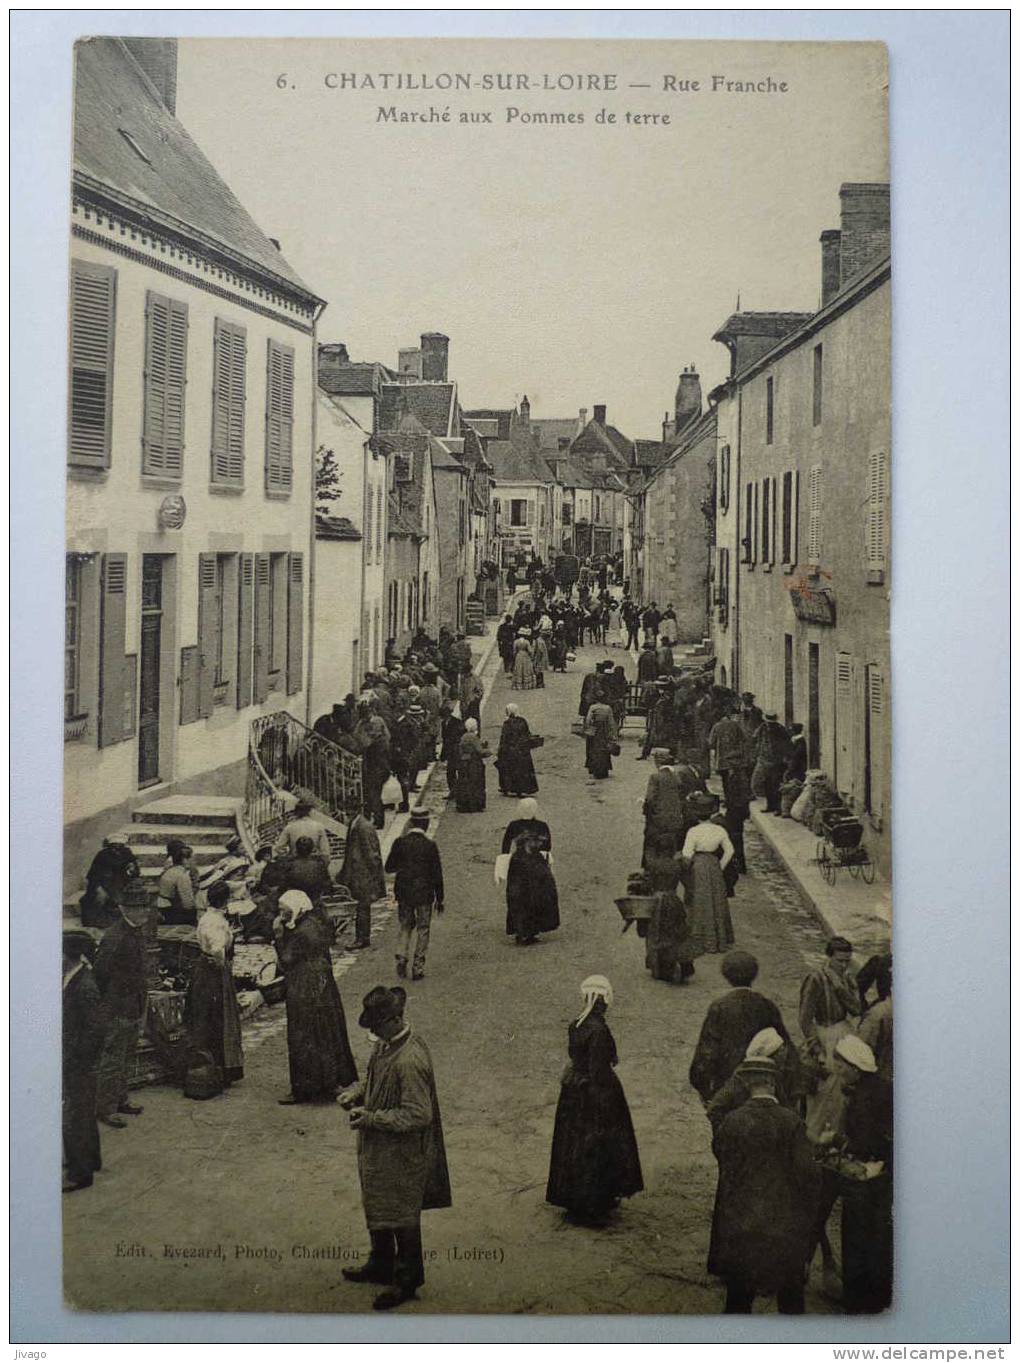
(594, 1158)
(211, 1014)
(318, 1050)
(469, 790)
(513, 756)
(532, 901)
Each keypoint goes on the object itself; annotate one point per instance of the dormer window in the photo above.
(134, 146)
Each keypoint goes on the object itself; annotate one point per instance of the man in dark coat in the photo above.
(749, 715)
(590, 687)
(401, 1153)
(120, 975)
(418, 888)
(648, 665)
(728, 747)
(730, 1024)
(362, 873)
(660, 730)
(83, 1034)
(771, 752)
(112, 867)
(765, 1200)
(632, 619)
(663, 807)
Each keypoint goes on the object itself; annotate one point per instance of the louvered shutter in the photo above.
(207, 624)
(189, 684)
(845, 746)
(814, 545)
(279, 416)
(229, 359)
(93, 297)
(166, 343)
(749, 523)
(795, 522)
(295, 622)
(766, 522)
(875, 701)
(876, 518)
(263, 606)
(245, 623)
(112, 628)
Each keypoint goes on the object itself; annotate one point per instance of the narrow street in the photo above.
(266, 1197)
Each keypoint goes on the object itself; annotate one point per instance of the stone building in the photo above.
(803, 571)
(190, 547)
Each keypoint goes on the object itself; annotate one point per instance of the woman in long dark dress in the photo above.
(317, 1046)
(211, 1013)
(532, 901)
(513, 756)
(667, 942)
(594, 1158)
(452, 733)
(601, 732)
(472, 752)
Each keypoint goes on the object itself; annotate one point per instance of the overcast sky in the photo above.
(577, 263)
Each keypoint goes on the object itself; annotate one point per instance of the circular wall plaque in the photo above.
(172, 512)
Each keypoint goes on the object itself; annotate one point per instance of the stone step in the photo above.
(188, 810)
(154, 854)
(158, 834)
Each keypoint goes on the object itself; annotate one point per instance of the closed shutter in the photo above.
(875, 701)
(130, 695)
(93, 297)
(379, 525)
(295, 622)
(229, 359)
(166, 349)
(245, 623)
(724, 478)
(814, 543)
(756, 530)
(112, 629)
(207, 624)
(787, 521)
(766, 522)
(279, 416)
(877, 494)
(263, 607)
(748, 522)
(189, 683)
(845, 745)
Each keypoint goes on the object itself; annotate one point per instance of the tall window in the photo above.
(230, 350)
(72, 636)
(769, 410)
(518, 511)
(279, 416)
(93, 297)
(766, 521)
(567, 513)
(277, 613)
(877, 492)
(749, 524)
(789, 518)
(379, 494)
(166, 353)
(724, 477)
(219, 601)
(816, 388)
(814, 544)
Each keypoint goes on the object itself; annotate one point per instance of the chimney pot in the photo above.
(600, 413)
(435, 352)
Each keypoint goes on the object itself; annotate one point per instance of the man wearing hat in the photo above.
(418, 888)
(303, 826)
(770, 1045)
(660, 731)
(647, 664)
(771, 753)
(749, 716)
(82, 1037)
(120, 976)
(362, 873)
(730, 1024)
(765, 1200)
(112, 867)
(663, 806)
(401, 1153)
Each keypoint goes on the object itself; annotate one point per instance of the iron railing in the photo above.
(284, 755)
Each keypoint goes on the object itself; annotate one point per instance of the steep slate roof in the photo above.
(551, 430)
(598, 439)
(502, 416)
(649, 454)
(335, 528)
(514, 461)
(761, 324)
(167, 180)
(353, 380)
(444, 456)
(433, 404)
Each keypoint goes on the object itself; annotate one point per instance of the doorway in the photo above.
(814, 738)
(149, 670)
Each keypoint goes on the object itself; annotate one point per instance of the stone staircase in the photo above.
(206, 823)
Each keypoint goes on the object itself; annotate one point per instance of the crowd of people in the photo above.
(796, 1127)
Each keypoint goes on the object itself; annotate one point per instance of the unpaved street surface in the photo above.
(239, 1203)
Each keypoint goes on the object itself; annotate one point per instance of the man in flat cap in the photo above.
(401, 1154)
(766, 1198)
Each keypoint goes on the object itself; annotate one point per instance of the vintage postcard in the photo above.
(477, 678)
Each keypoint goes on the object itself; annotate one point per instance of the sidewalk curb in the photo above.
(866, 929)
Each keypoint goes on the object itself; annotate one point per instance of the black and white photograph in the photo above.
(478, 679)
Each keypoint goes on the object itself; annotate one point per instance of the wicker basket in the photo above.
(273, 988)
(635, 907)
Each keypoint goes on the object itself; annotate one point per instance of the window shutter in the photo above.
(130, 695)
(295, 622)
(845, 769)
(756, 525)
(245, 622)
(724, 478)
(166, 344)
(748, 523)
(766, 522)
(112, 628)
(229, 356)
(263, 606)
(876, 519)
(787, 521)
(279, 416)
(814, 545)
(189, 684)
(206, 632)
(93, 296)
(876, 718)
(795, 521)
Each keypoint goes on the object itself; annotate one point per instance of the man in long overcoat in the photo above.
(418, 888)
(120, 975)
(663, 807)
(401, 1154)
(362, 873)
(766, 1198)
(83, 1034)
(730, 1024)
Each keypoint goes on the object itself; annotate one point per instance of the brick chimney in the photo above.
(582, 419)
(157, 57)
(409, 362)
(830, 265)
(864, 219)
(331, 357)
(599, 413)
(687, 404)
(435, 352)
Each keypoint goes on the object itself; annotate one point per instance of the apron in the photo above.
(825, 1106)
